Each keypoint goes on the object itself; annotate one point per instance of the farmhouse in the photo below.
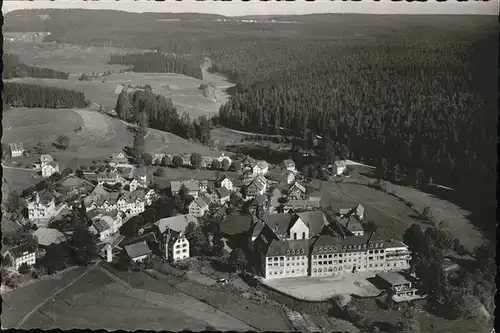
(256, 187)
(222, 195)
(138, 252)
(16, 149)
(172, 230)
(198, 207)
(294, 205)
(19, 255)
(194, 187)
(289, 165)
(48, 236)
(297, 192)
(131, 203)
(140, 180)
(110, 177)
(118, 158)
(357, 211)
(102, 227)
(260, 168)
(41, 205)
(48, 169)
(224, 181)
(339, 168)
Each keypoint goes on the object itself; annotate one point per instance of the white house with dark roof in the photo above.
(131, 203)
(297, 192)
(16, 149)
(48, 169)
(172, 230)
(194, 187)
(198, 207)
(19, 255)
(260, 168)
(351, 225)
(222, 195)
(138, 252)
(224, 181)
(339, 167)
(110, 178)
(257, 187)
(41, 205)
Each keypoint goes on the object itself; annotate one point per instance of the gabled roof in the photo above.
(335, 244)
(350, 223)
(279, 223)
(101, 225)
(259, 182)
(18, 251)
(45, 196)
(223, 178)
(113, 174)
(222, 192)
(235, 224)
(299, 186)
(47, 236)
(46, 158)
(137, 249)
(282, 247)
(200, 202)
(177, 223)
(315, 220)
(16, 146)
(393, 278)
(132, 196)
(51, 164)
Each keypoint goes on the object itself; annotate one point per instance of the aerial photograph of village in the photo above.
(290, 173)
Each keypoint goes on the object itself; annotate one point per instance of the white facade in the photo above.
(49, 169)
(39, 210)
(180, 249)
(140, 258)
(135, 185)
(286, 266)
(339, 168)
(299, 230)
(150, 196)
(28, 258)
(258, 170)
(397, 258)
(131, 208)
(196, 209)
(227, 183)
(16, 149)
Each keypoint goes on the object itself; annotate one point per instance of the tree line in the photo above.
(15, 68)
(156, 62)
(39, 96)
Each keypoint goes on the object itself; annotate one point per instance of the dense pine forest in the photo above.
(147, 109)
(409, 94)
(38, 96)
(13, 67)
(155, 62)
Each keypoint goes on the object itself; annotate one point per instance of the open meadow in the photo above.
(73, 59)
(93, 135)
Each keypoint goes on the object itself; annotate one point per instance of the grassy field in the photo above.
(73, 59)
(18, 303)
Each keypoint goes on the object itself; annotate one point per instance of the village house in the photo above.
(294, 205)
(42, 207)
(260, 168)
(256, 187)
(194, 187)
(131, 203)
(221, 195)
(297, 192)
(48, 236)
(110, 178)
(172, 230)
(101, 199)
(224, 181)
(287, 177)
(357, 211)
(198, 207)
(102, 227)
(19, 255)
(16, 149)
(339, 168)
(350, 225)
(289, 165)
(138, 252)
(140, 180)
(118, 159)
(48, 169)
(150, 196)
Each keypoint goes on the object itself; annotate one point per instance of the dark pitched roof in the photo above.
(351, 223)
(222, 192)
(315, 220)
(284, 247)
(279, 223)
(19, 251)
(137, 249)
(393, 278)
(235, 224)
(331, 244)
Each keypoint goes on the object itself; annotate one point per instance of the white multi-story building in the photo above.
(224, 181)
(131, 203)
(16, 149)
(172, 230)
(19, 255)
(41, 206)
(48, 169)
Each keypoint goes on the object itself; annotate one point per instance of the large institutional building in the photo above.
(305, 244)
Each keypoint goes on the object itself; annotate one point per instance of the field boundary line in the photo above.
(58, 291)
